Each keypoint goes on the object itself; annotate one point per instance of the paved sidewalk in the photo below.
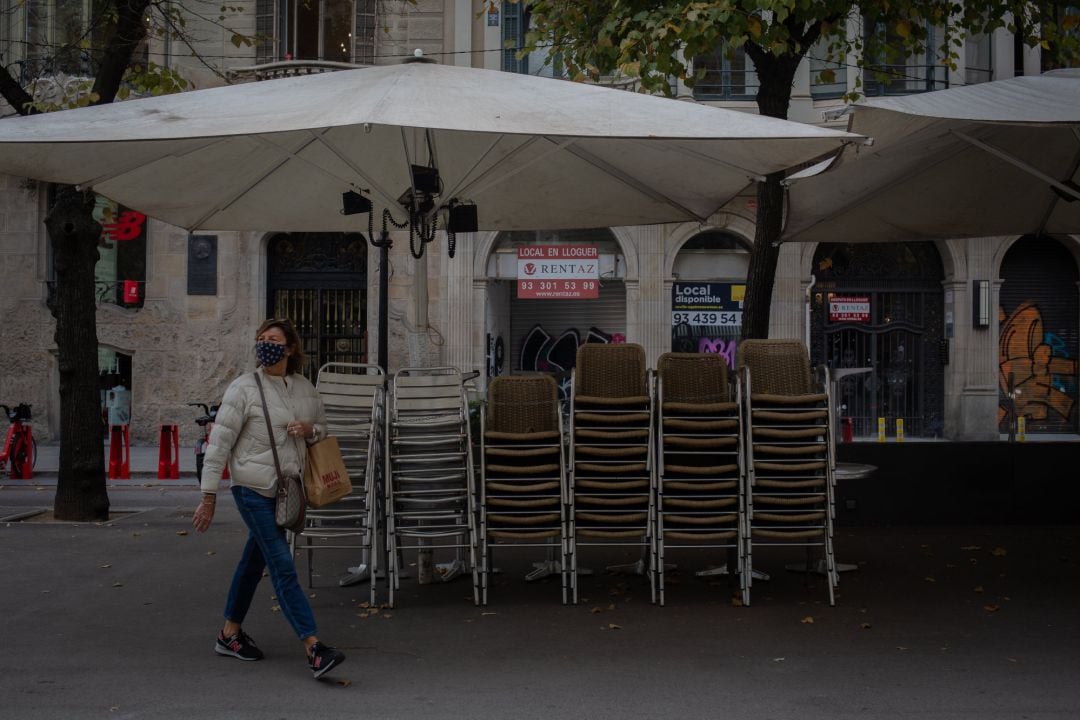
(117, 621)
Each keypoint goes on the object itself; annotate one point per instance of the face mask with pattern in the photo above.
(269, 353)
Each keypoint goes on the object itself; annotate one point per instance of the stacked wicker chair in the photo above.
(430, 488)
(523, 479)
(611, 481)
(700, 479)
(353, 395)
(789, 445)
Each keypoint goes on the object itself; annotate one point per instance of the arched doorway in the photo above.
(319, 281)
(1038, 338)
(529, 332)
(880, 306)
(709, 283)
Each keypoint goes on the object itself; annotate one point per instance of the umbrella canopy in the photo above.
(530, 152)
(997, 158)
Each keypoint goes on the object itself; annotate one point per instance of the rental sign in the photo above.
(558, 272)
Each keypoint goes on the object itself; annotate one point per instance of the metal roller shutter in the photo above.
(607, 313)
(1039, 340)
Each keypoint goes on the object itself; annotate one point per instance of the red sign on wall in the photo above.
(849, 308)
(558, 272)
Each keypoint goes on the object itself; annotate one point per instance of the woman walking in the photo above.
(240, 438)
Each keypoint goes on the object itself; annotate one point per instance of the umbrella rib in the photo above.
(633, 183)
(753, 176)
(465, 177)
(516, 151)
(1017, 163)
(336, 151)
(236, 196)
(141, 163)
(1054, 199)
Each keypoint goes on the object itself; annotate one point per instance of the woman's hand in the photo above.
(301, 429)
(204, 513)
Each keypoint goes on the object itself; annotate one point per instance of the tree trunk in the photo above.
(774, 97)
(80, 488)
(761, 275)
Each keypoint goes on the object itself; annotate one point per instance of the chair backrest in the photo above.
(434, 390)
(610, 370)
(349, 385)
(777, 367)
(694, 377)
(523, 404)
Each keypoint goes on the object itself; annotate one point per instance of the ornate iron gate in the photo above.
(319, 281)
(880, 307)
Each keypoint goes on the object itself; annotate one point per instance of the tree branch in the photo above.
(130, 31)
(15, 95)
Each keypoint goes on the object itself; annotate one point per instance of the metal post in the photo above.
(384, 298)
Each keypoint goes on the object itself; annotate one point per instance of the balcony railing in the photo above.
(288, 68)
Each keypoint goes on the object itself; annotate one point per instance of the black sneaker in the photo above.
(322, 659)
(238, 645)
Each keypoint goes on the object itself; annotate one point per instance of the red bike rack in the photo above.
(119, 453)
(169, 453)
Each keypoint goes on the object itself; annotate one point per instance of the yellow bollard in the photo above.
(899, 429)
(881, 429)
(1021, 429)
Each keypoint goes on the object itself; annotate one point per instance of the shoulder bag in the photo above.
(290, 503)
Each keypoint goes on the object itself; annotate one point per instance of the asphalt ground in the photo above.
(117, 620)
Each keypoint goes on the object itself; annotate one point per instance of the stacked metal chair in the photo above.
(611, 464)
(700, 462)
(354, 397)
(430, 486)
(523, 492)
(789, 449)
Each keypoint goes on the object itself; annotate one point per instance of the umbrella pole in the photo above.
(384, 297)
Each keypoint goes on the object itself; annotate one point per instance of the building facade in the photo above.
(960, 336)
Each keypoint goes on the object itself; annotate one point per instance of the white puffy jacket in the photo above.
(240, 438)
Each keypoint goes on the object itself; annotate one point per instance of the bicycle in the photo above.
(206, 424)
(20, 447)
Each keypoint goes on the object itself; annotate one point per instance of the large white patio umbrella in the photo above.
(530, 152)
(995, 158)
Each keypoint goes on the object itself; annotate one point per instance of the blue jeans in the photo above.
(266, 547)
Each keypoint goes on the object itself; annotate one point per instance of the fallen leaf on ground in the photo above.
(344, 683)
(736, 601)
(181, 532)
(611, 606)
(595, 610)
(808, 620)
(929, 579)
(365, 604)
(388, 615)
(118, 584)
(978, 588)
(613, 626)
(211, 552)
(999, 552)
(275, 608)
(969, 548)
(901, 647)
(865, 626)
(780, 659)
(991, 608)
(311, 595)
(488, 613)
(105, 567)
(363, 615)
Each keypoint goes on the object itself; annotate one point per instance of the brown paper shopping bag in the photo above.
(326, 479)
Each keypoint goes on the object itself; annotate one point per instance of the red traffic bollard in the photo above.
(119, 453)
(169, 453)
(847, 432)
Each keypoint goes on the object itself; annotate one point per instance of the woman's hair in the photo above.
(296, 360)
